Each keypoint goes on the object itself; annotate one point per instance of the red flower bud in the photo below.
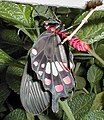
(79, 44)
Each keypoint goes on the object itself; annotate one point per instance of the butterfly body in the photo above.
(47, 75)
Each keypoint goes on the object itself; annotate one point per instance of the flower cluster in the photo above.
(79, 44)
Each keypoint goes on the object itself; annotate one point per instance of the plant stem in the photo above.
(77, 67)
(67, 110)
(79, 27)
(85, 91)
(96, 56)
(22, 28)
(95, 89)
(82, 54)
(30, 116)
(37, 28)
(43, 117)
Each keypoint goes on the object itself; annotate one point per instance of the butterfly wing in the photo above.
(33, 98)
(50, 63)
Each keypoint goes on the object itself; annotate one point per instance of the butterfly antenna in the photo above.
(55, 16)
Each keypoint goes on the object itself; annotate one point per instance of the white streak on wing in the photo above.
(48, 68)
(58, 66)
(62, 53)
(71, 65)
(30, 83)
(54, 70)
(26, 83)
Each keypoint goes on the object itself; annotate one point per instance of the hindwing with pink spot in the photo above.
(50, 63)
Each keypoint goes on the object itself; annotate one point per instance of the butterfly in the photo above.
(49, 62)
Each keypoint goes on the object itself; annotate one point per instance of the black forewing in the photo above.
(50, 63)
(33, 98)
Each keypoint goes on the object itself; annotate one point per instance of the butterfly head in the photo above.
(54, 24)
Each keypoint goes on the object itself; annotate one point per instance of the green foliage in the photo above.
(18, 30)
(99, 50)
(13, 78)
(80, 82)
(93, 31)
(98, 103)
(2, 108)
(94, 75)
(16, 114)
(5, 58)
(16, 13)
(81, 104)
(10, 41)
(94, 115)
(4, 93)
(10, 37)
(43, 11)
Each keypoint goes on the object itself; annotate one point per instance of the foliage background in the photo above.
(20, 25)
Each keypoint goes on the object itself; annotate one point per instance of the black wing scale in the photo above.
(49, 61)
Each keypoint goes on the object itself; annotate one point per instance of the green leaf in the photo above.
(43, 117)
(98, 103)
(94, 75)
(10, 41)
(81, 104)
(100, 50)
(2, 108)
(5, 58)
(43, 11)
(4, 93)
(16, 114)
(2, 67)
(63, 10)
(15, 71)
(13, 77)
(93, 30)
(59, 114)
(30, 116)
(10, 37)
(94, 115)
(80, 82)
(96, 38)
(16, 13)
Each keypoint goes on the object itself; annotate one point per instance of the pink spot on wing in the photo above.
(59, 88)
(47, 81)
(67, 80)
